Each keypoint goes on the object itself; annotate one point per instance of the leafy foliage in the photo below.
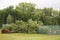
(26, 18)
(9, 19)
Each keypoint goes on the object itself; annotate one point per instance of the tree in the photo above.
(25, 10)
(38, 13)
(1, 17)
(21, 26)
(28, 27)
(33, 26)
(9, 19)
(48, 11)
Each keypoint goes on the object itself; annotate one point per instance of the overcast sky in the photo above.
(39, 3)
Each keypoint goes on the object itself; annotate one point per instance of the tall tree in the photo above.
(25, 10)
(48, 11)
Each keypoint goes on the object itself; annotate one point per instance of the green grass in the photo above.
(21, 36)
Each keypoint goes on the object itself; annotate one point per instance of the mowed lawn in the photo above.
(21, 36)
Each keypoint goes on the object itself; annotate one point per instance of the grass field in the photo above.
(21, 36)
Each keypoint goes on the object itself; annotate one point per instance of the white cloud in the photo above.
(39, 3)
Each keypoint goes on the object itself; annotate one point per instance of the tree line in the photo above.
(26, 14)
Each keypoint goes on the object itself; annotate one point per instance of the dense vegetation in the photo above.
(26, 18)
